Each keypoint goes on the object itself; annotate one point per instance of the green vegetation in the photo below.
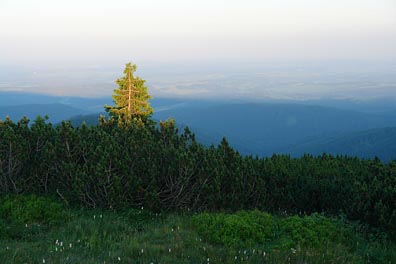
(240, 229)
(131, 98)
(109, 166)
(128, 162)
(140, 236)
(26, 209)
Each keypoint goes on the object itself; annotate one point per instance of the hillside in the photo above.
(252, 128)
(56, 111)
(90, 105)
(282, 128)
(379, 142)
(90, 119)
(269, 128)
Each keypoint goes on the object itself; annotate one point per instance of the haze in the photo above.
(39, 34)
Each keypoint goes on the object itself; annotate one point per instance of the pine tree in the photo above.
(131, 98)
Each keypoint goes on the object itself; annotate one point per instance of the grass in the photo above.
(140, 236)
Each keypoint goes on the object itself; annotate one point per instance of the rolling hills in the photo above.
(56, 111)
(380, 142)
(257, 128)
(264, 129)
(272, 128)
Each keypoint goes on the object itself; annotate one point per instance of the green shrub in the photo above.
(312, 230)
(239, 229)
(112, 166)
(31, 209)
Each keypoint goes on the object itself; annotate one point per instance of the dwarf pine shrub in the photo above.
(31, 209)
(241, 228)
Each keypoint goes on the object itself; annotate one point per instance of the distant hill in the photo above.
(380, 142)
(90, 105)
(376, 105)
(264, 129)
(56, 112)
(269, 128)
(22, 98)
(90, 119)
(261, 128)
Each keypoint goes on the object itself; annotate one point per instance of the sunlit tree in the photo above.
(131, 98)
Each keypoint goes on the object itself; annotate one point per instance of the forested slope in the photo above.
(380, 142)
(154, 166)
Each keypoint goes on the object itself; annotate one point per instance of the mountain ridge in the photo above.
(55, 111)
(253, 128)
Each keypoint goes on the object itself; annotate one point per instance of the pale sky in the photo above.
(33, 31)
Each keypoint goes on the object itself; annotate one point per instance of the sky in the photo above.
(69, 43)
(206, 30)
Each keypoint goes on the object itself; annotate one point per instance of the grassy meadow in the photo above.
(41, 230)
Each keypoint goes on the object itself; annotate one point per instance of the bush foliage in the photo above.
(256, 227)
(155, 166)
(240, 229)
(312, 230)
(28, 209)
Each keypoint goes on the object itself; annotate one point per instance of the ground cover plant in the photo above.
(142, 236)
